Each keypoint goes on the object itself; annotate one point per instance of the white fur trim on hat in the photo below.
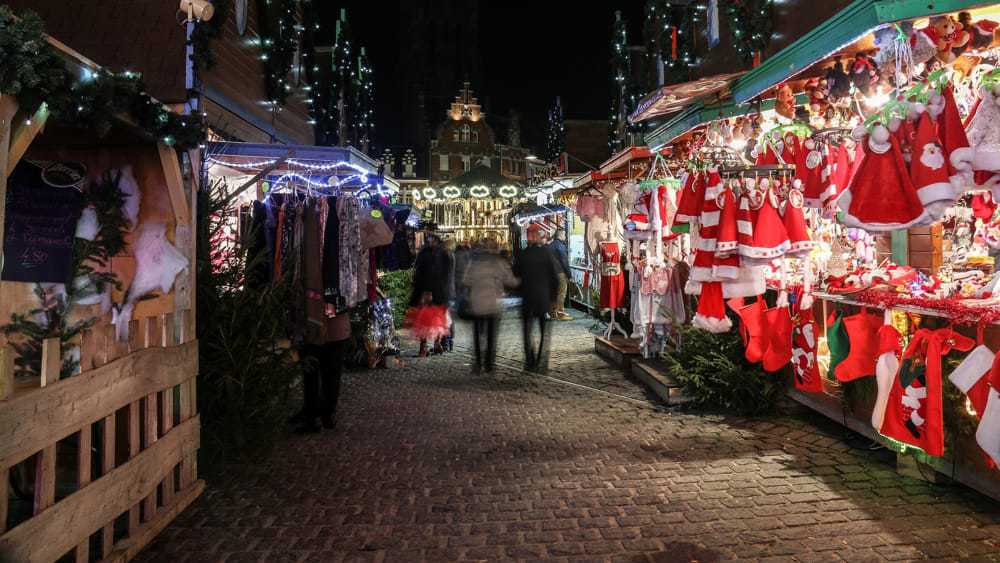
(710, 218)
(937, 191)
(985, 160)
(710, 324)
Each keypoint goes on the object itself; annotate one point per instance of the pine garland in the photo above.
(33, 71)
(90, 257)
(205, 32)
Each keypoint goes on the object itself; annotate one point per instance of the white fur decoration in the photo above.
(157, 264)
(87, 227)
(130, 189)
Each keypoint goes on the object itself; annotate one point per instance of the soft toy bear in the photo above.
(863, 73)
(937, 40)
(817, 88)
(784, 103)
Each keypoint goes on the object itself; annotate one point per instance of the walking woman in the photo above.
(428, 317)
(486, 277)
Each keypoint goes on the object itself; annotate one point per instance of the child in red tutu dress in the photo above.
(428, 318)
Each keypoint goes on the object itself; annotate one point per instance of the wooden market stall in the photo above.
(797, 76)
(98, 446)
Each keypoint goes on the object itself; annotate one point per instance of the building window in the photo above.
(466, 133)
(475, 137)
(466, 163)
(443, 162)
(454, 135)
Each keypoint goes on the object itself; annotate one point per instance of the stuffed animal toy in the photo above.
(784, 103)
(981, 33)
(863, 73)
(817, 88)
(839, 84)
(937, 40)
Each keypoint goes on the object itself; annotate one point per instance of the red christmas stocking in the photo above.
(862, 331)
(913, 413)
(753, 328)
(885, 369)
(978, 376)
(807, 378)
(779, 350)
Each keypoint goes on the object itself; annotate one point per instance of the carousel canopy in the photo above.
(481, 182)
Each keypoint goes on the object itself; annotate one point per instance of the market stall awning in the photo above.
(317, 165)
(846, 27)
(699, 114)
(673, 98)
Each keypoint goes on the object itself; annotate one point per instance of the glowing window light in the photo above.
(479, 191)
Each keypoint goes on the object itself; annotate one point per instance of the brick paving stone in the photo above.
(430, 463)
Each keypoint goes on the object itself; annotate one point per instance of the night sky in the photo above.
(530, 52)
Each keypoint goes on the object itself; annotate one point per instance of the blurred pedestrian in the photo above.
(487, 277)
(539, 287)
(561, 254)
(428, 317)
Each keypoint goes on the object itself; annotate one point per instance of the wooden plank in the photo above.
(79, 515)
(83, 478)
(175, 183)
(167, 324)
(51, 361)
(45, 479)
(166, 424)
(107, 465)
(134, 449)
(4, 496)
(8, 107)
(128, 549)
(24, 134)
(47, 415)
(150, 438)
(7, 355)
(154, 338)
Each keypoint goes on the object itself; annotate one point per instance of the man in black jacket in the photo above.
(539, 287)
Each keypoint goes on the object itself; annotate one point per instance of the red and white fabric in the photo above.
(929, 170)
(799, 242)
(978, 376)
(812, 173)
(770, 238)
(691, 198)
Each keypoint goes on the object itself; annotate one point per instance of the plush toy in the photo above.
(839, 84)
(784, 103)
(863, 73)
(948, 36)
(817, 88)
(981, 33)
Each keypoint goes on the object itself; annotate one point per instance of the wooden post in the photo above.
(4, 483)
(45, 479)
(133, 450)
(51, 361)
(24, 134)
(175, 183)
(6, 372)
(107, 464)
(151, 434)
(83, 479)
(166, 424)
(168, 330)
(8, 107)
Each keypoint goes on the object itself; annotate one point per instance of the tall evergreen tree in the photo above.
(622, 95)
(555, 135)
(364, 107)
(339, 124)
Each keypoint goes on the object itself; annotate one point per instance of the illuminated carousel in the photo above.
(474, 206)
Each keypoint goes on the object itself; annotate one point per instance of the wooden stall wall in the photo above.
(95, 465)
(238, 76)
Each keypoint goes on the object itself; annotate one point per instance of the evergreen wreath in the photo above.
(50, 319)
(32, 71)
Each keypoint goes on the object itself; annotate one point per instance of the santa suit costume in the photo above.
(978, 376)
(612, 278)
(881, 196)
(913, 412)
(690, 200)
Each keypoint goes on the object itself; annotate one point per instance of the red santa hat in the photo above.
(811, 172)
(840, 175)
(711, 315)
(950, 129)
(691, 198)
(794, 220)
(728, 240)
(770, 239)
(929, 170)
(881, 196)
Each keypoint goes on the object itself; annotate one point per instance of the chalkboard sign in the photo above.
(44, 203)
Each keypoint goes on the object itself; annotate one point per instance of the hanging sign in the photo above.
(44, 203)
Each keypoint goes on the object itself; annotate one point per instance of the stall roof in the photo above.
(624, 157)
(278, 159)
(699, 114)
(674, 97)
(846, 27)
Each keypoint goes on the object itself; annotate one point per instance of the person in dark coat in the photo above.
(561, 253)
(432, 283)
(537, 270)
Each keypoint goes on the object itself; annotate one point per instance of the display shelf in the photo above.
(845, 300)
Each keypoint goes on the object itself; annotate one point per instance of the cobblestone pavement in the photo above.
(429, 463)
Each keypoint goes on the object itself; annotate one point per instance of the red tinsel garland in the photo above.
(953, 309)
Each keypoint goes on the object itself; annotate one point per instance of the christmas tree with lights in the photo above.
(339, 125)
(364, 107)
(555, 134)
(625, 92)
